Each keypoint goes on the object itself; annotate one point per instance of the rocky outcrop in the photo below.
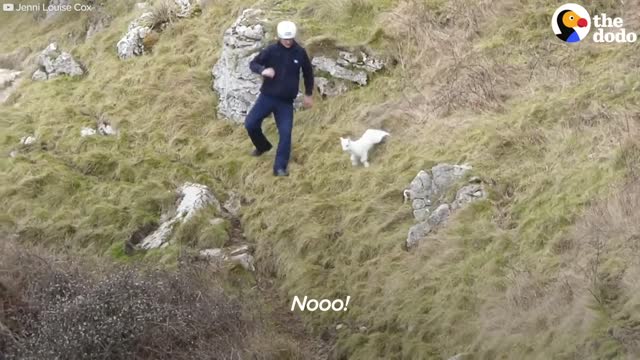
(132, 43)
(192, 197)
(332, 67)
(141, 33)
(428, 191)
(347, 67)
(8, 83)
(236, 85)
(236, 255)
(52, 62)
(330, 87)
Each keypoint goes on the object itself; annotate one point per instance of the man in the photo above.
(280, 65)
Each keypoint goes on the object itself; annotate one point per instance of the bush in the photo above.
(59, 310)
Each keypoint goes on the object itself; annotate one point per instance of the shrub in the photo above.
(59, 310)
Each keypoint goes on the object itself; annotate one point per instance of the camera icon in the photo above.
(7, 7)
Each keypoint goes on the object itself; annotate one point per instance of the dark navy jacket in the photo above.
(287, 63)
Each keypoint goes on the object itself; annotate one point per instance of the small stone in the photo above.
(106, 129)
(85, 131)
(39, 75)
(349, 57)
(27, 140)
(245, 260)
(242, 249)
(233, 203)
(339, 326)
(216, 221)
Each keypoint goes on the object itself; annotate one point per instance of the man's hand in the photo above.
(269, 72)
(307, 102)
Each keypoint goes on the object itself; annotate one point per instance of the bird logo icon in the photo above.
(571, 23)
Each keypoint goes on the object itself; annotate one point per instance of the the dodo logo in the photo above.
(571, 23)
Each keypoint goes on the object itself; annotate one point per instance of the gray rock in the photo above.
(87, 131)
(236, 85)
(233, 203)
(185, 7)
(427, 189)
(370, 63)
(420, 203)
(245, 260)
(53, 62)
(7, 77)
(445, 175)
(55, 6)
(131, 44)
(467, 194)
(9, 80)
(238, 250)
(39, 75)
(331, 87)
(419, 189)
(66, 65)
(192, 197)
(348, 57)
(105, 129)
(439, 215)
(418, 232)
(421, 214)
(27, 140)
(335, 70)
(239, 255)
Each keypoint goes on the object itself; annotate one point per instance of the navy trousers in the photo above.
(283, 112)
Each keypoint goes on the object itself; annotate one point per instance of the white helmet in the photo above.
(286, 30)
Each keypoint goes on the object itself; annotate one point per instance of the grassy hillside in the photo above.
(535, 271)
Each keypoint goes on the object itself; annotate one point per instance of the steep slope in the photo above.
(551, 128)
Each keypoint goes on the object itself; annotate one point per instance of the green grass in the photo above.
(330, 230)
